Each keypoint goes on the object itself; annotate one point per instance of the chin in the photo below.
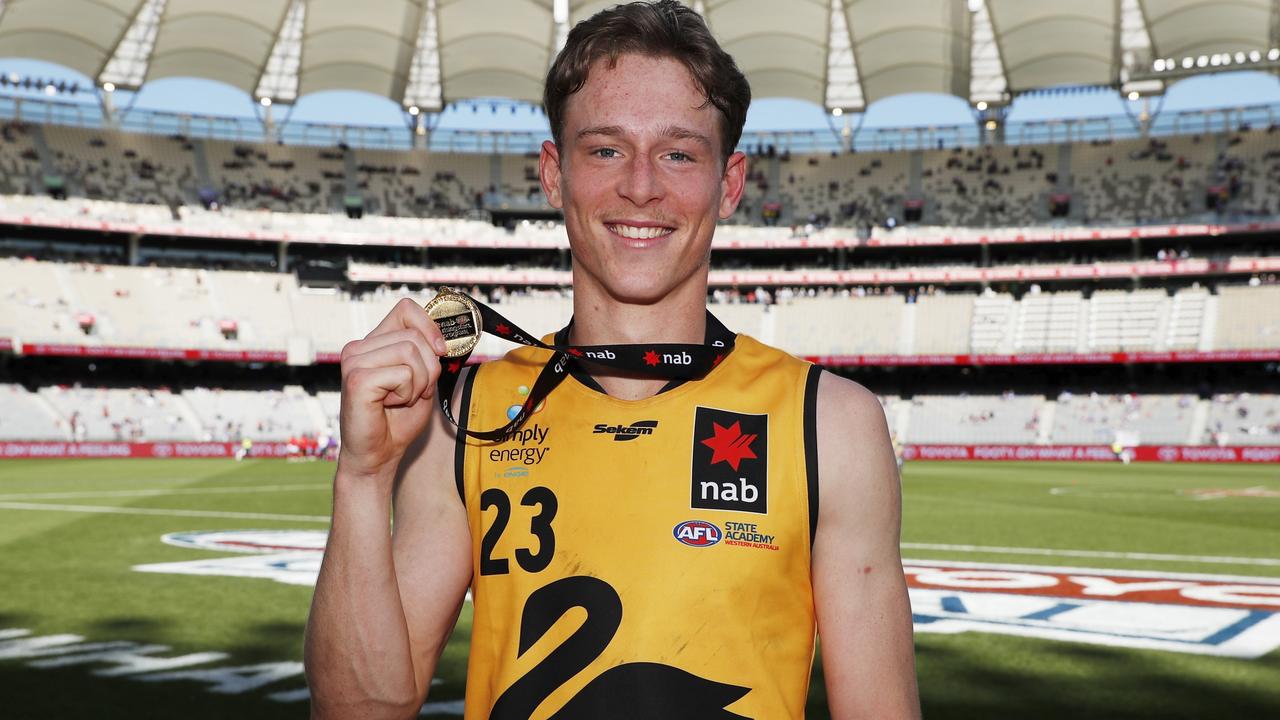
(639, 290)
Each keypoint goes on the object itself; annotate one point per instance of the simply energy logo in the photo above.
(623, 433)
(1221, 615)
(522, 446)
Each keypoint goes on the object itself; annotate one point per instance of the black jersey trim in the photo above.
(811, 446)
(460, 442)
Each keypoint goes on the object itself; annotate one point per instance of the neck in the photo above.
(600, 319)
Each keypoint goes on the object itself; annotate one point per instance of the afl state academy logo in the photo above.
(697, 533)
(730, 461)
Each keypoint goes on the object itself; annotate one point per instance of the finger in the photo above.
(409, 314)
(385, 385)
(369, 344)
(429, 359)
(401, 353)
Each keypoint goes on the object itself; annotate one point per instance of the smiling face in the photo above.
(640, 178)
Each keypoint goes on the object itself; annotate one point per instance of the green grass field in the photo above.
(72, 531)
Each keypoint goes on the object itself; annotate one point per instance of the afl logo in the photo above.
(697, 533)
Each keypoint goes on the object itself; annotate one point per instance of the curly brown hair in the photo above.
(659, 29)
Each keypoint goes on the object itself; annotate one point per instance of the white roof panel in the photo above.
(80, 34)
(1181, 28)
(1047, 44)
(227, 41)
(365, 45)
(495, 48)
(905, 47)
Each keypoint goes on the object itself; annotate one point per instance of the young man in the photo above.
(639, 548)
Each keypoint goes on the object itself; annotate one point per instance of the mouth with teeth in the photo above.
(637, 235)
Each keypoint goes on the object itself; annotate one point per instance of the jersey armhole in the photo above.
(811, 446)
(460, 441)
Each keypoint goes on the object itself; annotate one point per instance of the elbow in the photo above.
(343, 695)
(344, 706)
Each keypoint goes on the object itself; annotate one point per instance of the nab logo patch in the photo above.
(730, 461)
(697, 533)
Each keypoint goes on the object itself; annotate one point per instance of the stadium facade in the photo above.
(1008, 291)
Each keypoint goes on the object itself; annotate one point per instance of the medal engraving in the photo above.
(458, 319)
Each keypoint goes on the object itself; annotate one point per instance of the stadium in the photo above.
(1072, 323)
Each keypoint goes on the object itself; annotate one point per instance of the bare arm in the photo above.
(382, 607)
(864, 616)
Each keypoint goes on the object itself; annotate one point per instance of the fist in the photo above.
(388, 384)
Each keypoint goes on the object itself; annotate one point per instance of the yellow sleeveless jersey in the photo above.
(642, 559)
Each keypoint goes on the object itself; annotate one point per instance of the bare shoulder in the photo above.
(849, 415)
(856, 466)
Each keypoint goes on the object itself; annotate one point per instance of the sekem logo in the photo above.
(622, 433)
(697, 533)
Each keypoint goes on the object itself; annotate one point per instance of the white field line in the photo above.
(177, 491)
(160, 512)
(1052, 552)
(1258, 492)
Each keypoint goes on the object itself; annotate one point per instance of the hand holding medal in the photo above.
(462, 319)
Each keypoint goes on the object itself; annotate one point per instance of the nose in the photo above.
(641, 183)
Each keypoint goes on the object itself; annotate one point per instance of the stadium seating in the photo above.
(26, 416)
(117, 305)
(1243, 419)
(1096, 419)
(988, 186)
(1248, 318)
(228, 415)
(284, 178)
(19, 161)
(1049, 322)
(204, 414)
(838, 325)
(1141, 181)
(1164, 178)
(122, 414)
(133, 167)
(942, 323)
(974, 419)
(1123, 320)
(845, 188)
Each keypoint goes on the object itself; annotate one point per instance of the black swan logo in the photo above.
(632, 691)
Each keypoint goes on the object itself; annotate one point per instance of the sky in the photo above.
(207, 97)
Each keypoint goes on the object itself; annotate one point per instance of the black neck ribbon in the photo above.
(672, 361)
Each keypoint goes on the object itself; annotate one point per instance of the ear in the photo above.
(732, 184)
(549, 173)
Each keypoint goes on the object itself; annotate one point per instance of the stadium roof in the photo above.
(836, 53)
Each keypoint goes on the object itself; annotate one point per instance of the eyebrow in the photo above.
(671, 131)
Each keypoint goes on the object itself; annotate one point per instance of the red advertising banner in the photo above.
(57, 450)
(1095, 453)
(144, 353)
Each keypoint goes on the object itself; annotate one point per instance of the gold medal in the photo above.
(458, 319)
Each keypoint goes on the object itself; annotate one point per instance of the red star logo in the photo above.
(455, 367)
(651, 358)
(575, 352)
(730, 445)
(717, 360)
(501, 328)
